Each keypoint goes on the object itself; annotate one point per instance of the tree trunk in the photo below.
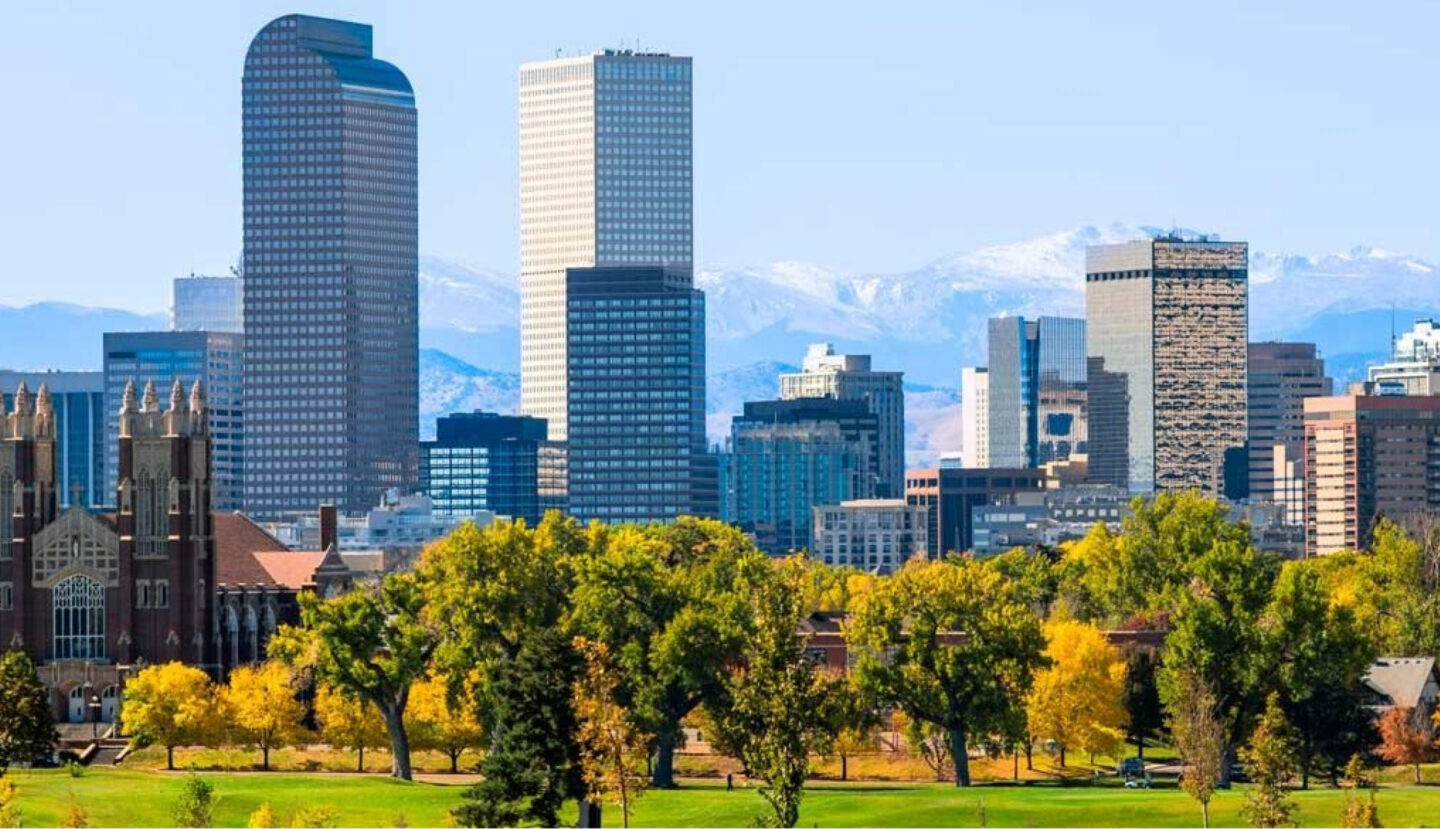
(1016, 773)
(1417, 774)
(399, 742)
(1226, 762)
(265, 758)
(960, 757)
(454, 762)
(1062, 755)
(664, 760)
(360, 765)
(1029, 754)
(1305, 754)
(844, 768)
(1140, 747)
(169, 758)
(1205, 814)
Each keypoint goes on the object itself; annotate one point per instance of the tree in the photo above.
(347, 721)
(10, 815)
(1318, 656)
(1216, 631)
(1078, 700)
(263, 818)
(1141, 698)
(1407, 737)
(263, 707)
(27, 723)
(171, 705)
(948, 643)
(779, 706)
(1270, 762)
(663, 599)
(533, 765)
(856, 718)
(1199, 736)
(195, 808)
(1358, 813)
(929, 742)
(442, 722)
(612, 748)
(1403, 584)
(372, 643)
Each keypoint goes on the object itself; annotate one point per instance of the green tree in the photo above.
(1270, 762)
(195, 808)
(856, 718)
(373, 643)
(948, 643)
(664, 602)
(533, 765)
(173, 705)
(1199, 734)
(1403, 584)
(27, 723)
(1216, 630)
(779, 707)
(1141, 697)
(1318, 655)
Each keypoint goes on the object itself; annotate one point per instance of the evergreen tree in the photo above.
(27, 723)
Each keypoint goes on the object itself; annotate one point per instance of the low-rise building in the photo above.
(875, 535)
(950, 497)
(1046, 519)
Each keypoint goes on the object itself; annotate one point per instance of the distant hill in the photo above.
(63, 336)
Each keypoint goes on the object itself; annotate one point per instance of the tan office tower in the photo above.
(605, 181)
(1166, 345)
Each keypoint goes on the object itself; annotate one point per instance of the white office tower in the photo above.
(605, 181)
(975, 416)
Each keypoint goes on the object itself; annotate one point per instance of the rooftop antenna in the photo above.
(1394, 343)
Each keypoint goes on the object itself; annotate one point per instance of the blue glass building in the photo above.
(1038, 398)
(331, 310)
(485, 461)
(79, 401)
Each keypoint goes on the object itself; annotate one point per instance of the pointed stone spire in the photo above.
(149, 402)
(22, 399)
(177, 396)
(44, 403)
(127, 400)
(197, 397)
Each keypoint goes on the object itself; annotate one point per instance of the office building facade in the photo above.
(950, 497)
(876, 535)
(636, 404)
(975, 417)
(790, 456)
(850, 377)
(1280, 377)
(1166, 341)
(207, 303)
(1037, 393)
(162, 357)
(78, 403)
(483, 461)
(1366, 457)
(605, 181)
(331, 309)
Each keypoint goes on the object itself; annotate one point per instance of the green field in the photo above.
(143, 798)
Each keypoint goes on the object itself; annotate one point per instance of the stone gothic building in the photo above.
(94, 597)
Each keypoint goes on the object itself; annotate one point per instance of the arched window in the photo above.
(152, 530)
(79, 604)
(252, 628)
(232, 627)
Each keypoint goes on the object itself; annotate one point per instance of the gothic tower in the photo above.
(27, 503)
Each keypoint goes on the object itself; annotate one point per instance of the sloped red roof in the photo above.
(243, 552)
(292, 570)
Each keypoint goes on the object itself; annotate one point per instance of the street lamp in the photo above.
(94, 706)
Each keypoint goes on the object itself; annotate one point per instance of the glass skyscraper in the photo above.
(636, 354)
(485, 461)
(207, 303)
(80, 417)
(1167, 334)
(331, 261)
(1037, 397)
(605, 181)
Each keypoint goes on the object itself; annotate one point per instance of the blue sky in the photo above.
(866, 136)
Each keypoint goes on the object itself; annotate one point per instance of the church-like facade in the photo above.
(92, 598)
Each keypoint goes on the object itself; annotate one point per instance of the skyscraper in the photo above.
(605, 181)
(78, 401)
(1037, 396)
(483, 461)
(1280, 377)
(975, 417)
(850, 377)
(1167, 334)
(636, 405)
(207, 303)
(331, 262)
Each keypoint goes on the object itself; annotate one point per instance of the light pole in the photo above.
(94, 706)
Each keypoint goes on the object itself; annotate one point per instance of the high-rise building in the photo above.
(950, 497)
(331, 269)
(1167, 334)
(483, 461)
(875, 535)
(975, 417)
(162, 357)
(605, 181)
(1280, 377)
(78, 401)
(207, 303)
(1037, 390)
(1366, 457)
(636, 406)
(789, 456)
(850, 377)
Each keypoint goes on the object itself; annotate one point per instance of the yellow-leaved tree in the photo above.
(172, 705)
(263, 708)
(612, 747)
(1078, 701)
(436, 722)
(349, 722)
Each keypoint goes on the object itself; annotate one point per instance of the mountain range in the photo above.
(929, 321)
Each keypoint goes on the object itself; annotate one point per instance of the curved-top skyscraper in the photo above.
(330, 269)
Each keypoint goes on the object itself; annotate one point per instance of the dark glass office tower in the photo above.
(1037, 401)
(330, 293)
(485, 461)
(635, 355)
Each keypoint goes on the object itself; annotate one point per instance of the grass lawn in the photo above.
(117, 797)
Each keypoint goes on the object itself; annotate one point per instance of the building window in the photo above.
(160, 594)
(79, 615)
(7, 509)
(152, 529)
(142, 593)
(7, 595)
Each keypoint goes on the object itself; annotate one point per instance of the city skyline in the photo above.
(1292, 180)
